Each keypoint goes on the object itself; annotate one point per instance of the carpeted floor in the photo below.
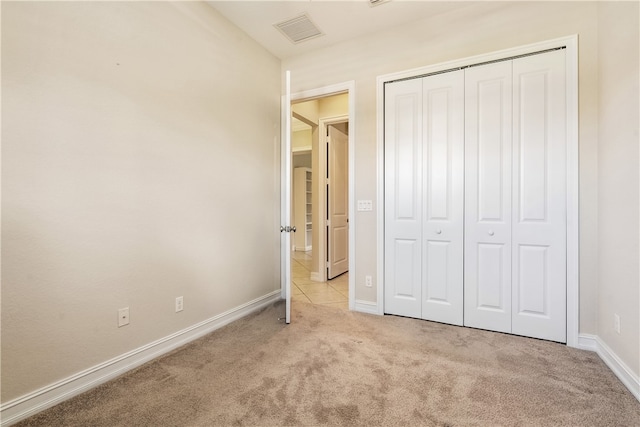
(334, 367)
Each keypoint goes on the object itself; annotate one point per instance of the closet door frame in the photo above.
(573, 249)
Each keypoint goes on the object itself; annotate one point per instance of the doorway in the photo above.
(321, 145)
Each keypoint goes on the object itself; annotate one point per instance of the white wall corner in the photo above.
(366, 307)
(30, 404)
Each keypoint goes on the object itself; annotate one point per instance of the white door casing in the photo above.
(338, 203)
(487, 270)
(348, 87)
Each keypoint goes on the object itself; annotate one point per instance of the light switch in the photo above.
(365, 205)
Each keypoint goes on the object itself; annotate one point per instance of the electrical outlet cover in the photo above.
(123, 317)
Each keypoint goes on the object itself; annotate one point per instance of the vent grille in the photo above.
(299, 29)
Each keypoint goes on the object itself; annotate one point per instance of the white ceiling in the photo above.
(338, 20)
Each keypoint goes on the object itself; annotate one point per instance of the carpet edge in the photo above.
(30, 404)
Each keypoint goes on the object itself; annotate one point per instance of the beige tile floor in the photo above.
(334, 292)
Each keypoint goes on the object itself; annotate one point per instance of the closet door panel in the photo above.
(539, 192)
(403, 198)
(443, 204)
(488, 132)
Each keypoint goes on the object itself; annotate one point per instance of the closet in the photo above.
(302, 208)
(475, 196)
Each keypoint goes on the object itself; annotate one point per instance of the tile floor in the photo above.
(334, 292)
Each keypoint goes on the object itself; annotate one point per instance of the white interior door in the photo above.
(488, 117)
(338, 203)
(443, 197)
(285, 196)
(539, 196)
(403, 198)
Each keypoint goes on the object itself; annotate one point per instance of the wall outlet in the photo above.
(368, 282)
(616, 323)
(123, 317)
(179, 304)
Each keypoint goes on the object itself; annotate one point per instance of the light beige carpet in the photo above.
(334, 367)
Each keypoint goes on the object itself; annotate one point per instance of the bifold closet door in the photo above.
(443, 202)
(424, 197)
(539, 197)
(515, 192)
(488, 114)
(403, 198)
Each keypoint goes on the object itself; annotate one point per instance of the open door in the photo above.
(285, 202)
(338, 202)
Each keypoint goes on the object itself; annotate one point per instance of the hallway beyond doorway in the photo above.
(334, 293)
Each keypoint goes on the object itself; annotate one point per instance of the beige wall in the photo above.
(479, 28)
(484, 27)
(618, 180)
(120, 140)
(119, 135)
(301, 140)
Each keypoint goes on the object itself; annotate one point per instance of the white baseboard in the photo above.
(36, 401)
(315, 276)
(588, 342)
(366, 307)
(622, 371)
(617, 366)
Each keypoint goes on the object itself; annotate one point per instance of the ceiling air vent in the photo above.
(299, 29)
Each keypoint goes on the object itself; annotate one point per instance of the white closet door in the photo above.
(403, 198)
(487, 262)
(539, 196)
(443, 197)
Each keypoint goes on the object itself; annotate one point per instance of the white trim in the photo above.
(366, 307)
(36, 401)
(301, 150)
(380, 81)
(348, 87)
(573, 194)
(335, 89)
(625, 374)
(352, 194)
(573, 243)
(619, 368)
(588, 342)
